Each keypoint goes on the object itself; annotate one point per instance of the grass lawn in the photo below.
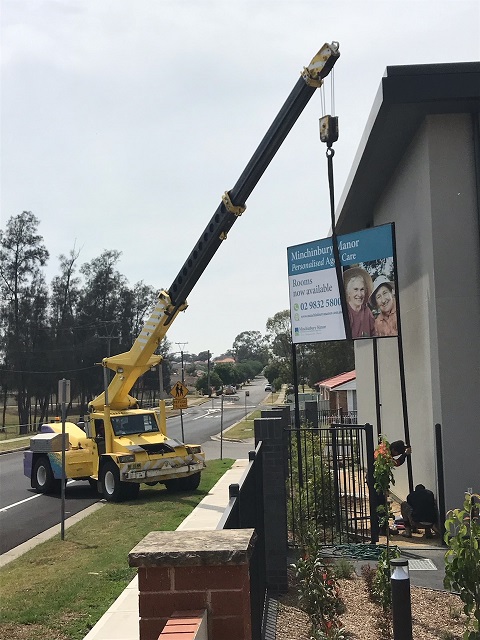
(243, 430)
(60, 589)
(8, 445)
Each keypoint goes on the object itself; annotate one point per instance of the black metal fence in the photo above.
(330, 484)
(245, 510)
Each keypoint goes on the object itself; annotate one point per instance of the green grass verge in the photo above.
(243, 430)
(60, 589)
(8, 445)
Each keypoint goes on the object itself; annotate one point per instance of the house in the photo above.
(418, 166)
(340, 391)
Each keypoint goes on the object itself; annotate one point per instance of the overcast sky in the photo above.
(124, 121)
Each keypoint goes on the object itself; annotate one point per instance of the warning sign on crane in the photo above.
(179, 390)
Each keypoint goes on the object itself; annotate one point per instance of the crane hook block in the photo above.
(321, 64)
(230, 207)
(329, 129)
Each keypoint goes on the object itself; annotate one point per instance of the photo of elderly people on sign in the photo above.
(358, 289)
(384, 305)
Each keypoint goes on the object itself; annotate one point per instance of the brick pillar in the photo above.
(270, 430)
(184, 570)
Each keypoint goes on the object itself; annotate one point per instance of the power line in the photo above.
(47, 372)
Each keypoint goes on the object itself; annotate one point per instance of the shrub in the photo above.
(462, 560)
(319, 596)
(344, 568)
(314, 499)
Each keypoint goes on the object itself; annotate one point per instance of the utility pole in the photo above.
(182, 345)
(208, 374)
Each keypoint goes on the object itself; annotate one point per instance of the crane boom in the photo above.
(129, 366)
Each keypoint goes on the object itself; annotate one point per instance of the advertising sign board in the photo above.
(367, 259)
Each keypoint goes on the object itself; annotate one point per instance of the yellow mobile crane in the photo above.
(122, 445)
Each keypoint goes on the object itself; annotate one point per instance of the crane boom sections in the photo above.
(129, 366)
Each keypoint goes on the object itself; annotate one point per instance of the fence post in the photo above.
(373, 499)
(440, 479)
(269, 430)
(311, 413)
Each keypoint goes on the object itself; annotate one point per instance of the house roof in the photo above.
(407, 94)
(336, 381)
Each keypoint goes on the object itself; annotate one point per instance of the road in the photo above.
(24, 513)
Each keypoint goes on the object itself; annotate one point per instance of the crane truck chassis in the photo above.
(123, 446)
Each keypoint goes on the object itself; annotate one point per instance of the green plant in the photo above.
(312, 498)
(462, 560)
(381, 587)
(383, 478)
(319, 596)
(344, 568)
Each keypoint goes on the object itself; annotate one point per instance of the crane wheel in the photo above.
(42, 477)
(190, 483)
(113, 489)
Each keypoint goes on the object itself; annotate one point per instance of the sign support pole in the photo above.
(64, 398)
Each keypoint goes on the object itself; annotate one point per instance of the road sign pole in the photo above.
(181, 424)
(221, 428)
(64, 398)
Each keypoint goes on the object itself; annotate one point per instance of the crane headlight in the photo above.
(128, 458)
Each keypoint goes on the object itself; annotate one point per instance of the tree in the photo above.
(202, 383)
(24, 306)
(104, 320)
(324, 360)
(279, 334)
(248, 369)
(250, 345)
(227, 373)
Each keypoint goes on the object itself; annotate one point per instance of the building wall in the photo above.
(437, 239)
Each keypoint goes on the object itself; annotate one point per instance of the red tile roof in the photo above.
(336, 381)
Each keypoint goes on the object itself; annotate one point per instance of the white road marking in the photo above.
(16, 504)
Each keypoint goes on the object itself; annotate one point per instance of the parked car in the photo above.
(229, 390)
(268, 387)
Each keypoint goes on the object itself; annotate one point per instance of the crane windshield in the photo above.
(134, 424)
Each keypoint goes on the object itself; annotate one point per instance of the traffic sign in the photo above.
(180, 403)
(179, 390)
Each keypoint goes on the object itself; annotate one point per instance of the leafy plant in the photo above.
(383, 479)
(383, 467)
(344, 568)
(382, 587)
(319, 596)
(462, 560)
(313, 498)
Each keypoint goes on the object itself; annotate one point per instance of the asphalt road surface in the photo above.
(25, 513)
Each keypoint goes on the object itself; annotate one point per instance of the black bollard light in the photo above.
(401, 603)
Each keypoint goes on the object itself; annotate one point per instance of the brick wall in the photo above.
(185, 570)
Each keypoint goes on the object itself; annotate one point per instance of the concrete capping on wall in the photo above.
(201, 570)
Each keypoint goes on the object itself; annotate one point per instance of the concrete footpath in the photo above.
(121, 621)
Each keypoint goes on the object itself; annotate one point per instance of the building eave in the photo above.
(407, 94)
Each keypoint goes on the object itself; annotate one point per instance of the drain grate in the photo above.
(424, 564)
